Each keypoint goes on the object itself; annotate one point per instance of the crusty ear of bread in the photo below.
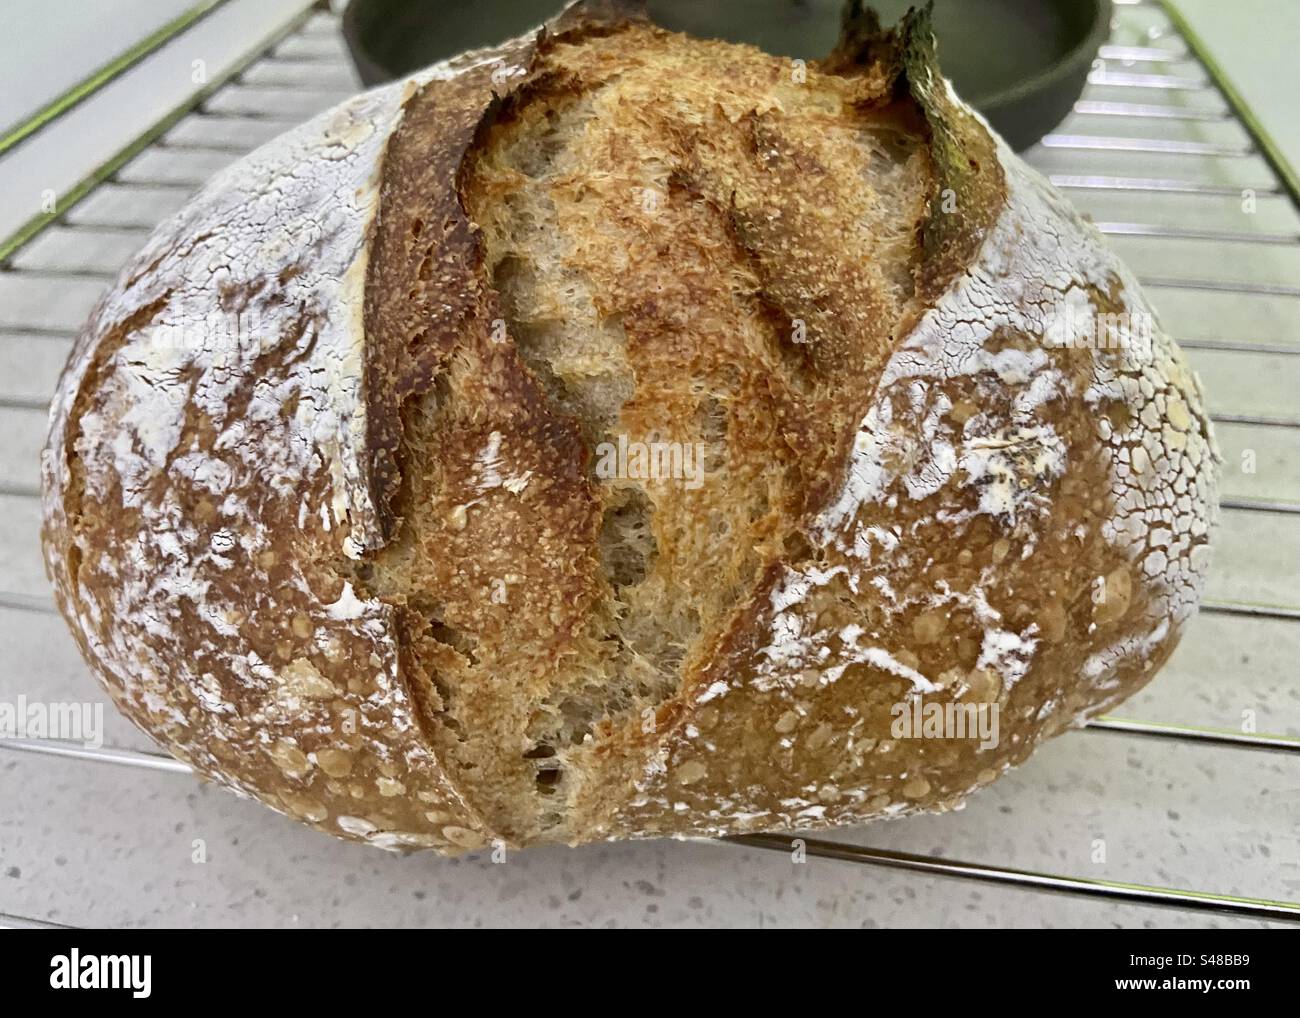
(396, 562)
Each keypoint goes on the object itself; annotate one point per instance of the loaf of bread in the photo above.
(619, 434)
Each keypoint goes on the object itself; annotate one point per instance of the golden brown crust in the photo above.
(359, 561)
(204, 475)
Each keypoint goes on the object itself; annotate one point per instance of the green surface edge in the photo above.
(1268, 147)
(116, 67)
(20, 237)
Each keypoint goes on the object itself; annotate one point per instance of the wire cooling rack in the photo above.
(1189, 803)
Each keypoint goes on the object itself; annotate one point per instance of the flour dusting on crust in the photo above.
(208, 439)
(992, 454)
(1019, 524)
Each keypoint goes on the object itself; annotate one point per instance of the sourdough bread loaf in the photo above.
(354, 495)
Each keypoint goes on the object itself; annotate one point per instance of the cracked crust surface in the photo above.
(321, 505)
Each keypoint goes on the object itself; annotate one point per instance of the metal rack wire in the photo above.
(1150, 88)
